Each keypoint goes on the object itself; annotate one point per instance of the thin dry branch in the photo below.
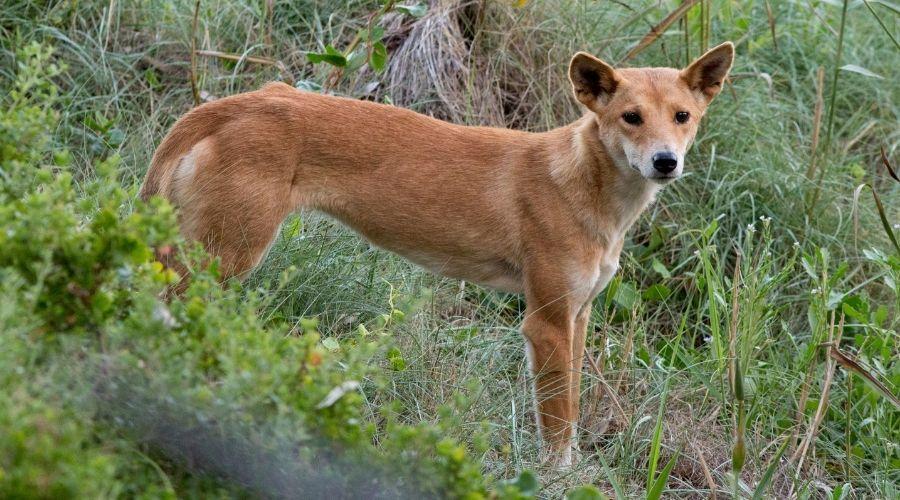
(817, 122)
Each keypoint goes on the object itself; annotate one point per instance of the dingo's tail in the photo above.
(198, 124)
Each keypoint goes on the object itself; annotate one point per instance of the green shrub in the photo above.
(46, 452)
(27, 121)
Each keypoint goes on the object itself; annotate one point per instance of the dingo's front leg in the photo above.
(580, 333)
(549, 330)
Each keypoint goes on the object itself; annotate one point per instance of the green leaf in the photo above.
(881, 315)
(760, 490)
(395, 357)
(834, 299)
(376, 34)
(293, 228)
(331, 56)
(658, 237)
(316, 58)
(860, 70)
(115, 137)
(152, 79)
(661, 269)
(309, 86)
(840, 492)
(356, 59)
(378, 60)
(585, 492)
(309, 325)
(527, 483)
(331, 344)
(657, 292)
(809, 266)
(626, 296)
(656, 441)
(711, 229)
(856, 308)
(655, 492)
(617, 487)
(414, 10)
(838, 273)
(611, 290)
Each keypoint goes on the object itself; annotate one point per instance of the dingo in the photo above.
(544, 214)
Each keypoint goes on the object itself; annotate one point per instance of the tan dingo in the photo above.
(544, 214)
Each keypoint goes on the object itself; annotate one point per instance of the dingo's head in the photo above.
(649, 116)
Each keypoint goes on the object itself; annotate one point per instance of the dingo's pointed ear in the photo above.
(707, 73)
(593, 81)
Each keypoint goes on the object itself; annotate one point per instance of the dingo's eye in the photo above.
(632, 118)
(682, 116)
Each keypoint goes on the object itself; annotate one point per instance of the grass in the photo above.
(667, 355)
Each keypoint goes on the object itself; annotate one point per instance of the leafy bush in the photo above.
(27, 119)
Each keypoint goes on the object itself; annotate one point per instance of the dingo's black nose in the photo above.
(664, 161)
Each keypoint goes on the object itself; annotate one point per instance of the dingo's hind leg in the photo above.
(231, 207)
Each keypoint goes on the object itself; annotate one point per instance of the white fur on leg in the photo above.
(529, 356)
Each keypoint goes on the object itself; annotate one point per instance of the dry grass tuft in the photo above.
(477, 62)
(429, 70)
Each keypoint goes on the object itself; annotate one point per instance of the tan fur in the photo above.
(544, 214)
